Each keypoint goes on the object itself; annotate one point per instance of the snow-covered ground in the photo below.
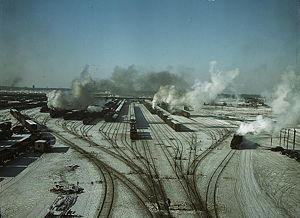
(179, 174)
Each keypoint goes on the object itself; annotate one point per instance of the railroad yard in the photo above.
(133, 160)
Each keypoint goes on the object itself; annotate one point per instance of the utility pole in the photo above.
(287, 141)
(284, 137)
(294, 141)
(280, 137)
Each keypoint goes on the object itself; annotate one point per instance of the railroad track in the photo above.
(104, 210)
(111, 136)
(161, 197)
(143, 155)
(211, 191)
(191, 182)
(147, 161)
(108, 172)
(150, 170)
(124, 159)
(118, 153)
(107, 199)
(175, 165)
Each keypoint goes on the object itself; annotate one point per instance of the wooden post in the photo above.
(287, 141)
(280, 138)
(294, 141)
(284, 137)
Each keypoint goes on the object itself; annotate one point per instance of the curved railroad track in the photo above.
(108, 173)
(190, 183)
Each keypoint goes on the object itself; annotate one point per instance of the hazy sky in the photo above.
(47, 43)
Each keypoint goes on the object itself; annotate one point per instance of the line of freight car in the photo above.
(173, 124)
(132, 122)
(164, 115)
(181, 112)
(19, 96)
(112, 105)
(148, 105)
(21, 105)
(185, 113)
(164, 106)
(113, 115)
(120, 106)
(11, 148)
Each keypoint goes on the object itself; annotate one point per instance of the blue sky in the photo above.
(47, 43)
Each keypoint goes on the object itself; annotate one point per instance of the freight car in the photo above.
(185, 113)
(164, 115)
(175, 125)
(114, 111)
(148, 105)
(11, 148)
(120, 106)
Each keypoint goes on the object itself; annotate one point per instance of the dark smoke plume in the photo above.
(123, 81)
(130, 81)
(15, 81)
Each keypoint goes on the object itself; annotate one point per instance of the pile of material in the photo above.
(66, 199)
(62, 205)
(68, 189)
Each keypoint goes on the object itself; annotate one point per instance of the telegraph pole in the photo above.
(294, 141)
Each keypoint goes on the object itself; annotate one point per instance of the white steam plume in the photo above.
(200, 93)
(256, 127)
(286, 103)
(168, 94)
(286, 106)
(80, 96)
